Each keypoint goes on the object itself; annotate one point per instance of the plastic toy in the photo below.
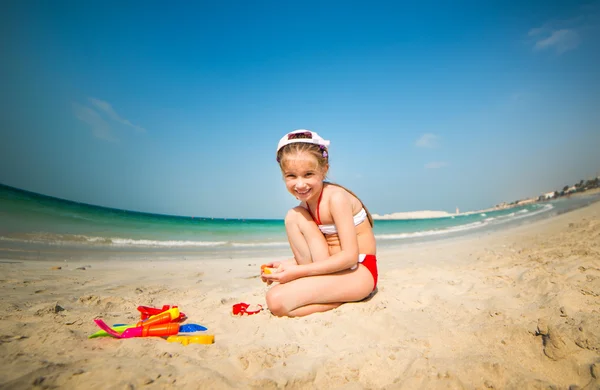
(165, 317)
(155, 322)
(147, 311)
(162, 318)
(120, 328)
(267, 270)
(197, 339)
(160, 330)
(239, 309)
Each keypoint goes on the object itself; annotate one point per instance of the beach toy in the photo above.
(120, 328)
(158, 323)
(186, 328)
(267, 270)
(161, 330)
(190, 328)
(196, 339)
(147, 312)
(162, 318)
(239, 309)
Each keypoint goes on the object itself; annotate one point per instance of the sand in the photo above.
(516, 309)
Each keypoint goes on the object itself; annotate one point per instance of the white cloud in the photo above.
(107, 108)
(567, 33)
(102, 117)
(100, 128)
(428, 140)
(560, 40)
(436, 165)
(562, 35)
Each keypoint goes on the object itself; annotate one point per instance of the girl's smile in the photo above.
(303, 178)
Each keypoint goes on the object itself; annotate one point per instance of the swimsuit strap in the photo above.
(318, 219)
(319, 206)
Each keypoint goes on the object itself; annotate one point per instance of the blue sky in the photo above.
(177, 108)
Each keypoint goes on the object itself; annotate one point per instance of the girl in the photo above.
(330, 234)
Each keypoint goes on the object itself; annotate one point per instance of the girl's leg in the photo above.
(306, 240)
(319, 293)
(313, 308)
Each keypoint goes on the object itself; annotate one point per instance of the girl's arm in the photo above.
(340, 206)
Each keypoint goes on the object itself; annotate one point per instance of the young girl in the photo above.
(330, 234)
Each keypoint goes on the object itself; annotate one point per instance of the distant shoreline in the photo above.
(428, 214)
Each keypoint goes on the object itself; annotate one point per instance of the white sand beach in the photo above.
(515, 309)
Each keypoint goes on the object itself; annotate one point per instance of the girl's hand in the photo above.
(273, 265)
(286, 272)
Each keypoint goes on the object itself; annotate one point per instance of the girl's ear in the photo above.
(325, 170)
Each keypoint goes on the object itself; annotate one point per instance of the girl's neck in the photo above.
(314, 203)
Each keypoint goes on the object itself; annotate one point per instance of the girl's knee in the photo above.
(275, 302)
(296, 216)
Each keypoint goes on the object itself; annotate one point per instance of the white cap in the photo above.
(310, 137)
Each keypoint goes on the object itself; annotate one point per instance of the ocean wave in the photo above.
(76, 240)
(259, 244)
(125, 242)
(424, 233)
(82, 240)
(528, 214)
(470, 226)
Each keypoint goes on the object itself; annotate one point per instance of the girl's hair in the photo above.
(322, 156)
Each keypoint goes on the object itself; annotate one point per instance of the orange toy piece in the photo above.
(162, 330)
(267, 270)
(162, 318)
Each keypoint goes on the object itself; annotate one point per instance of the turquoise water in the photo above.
(29, 220)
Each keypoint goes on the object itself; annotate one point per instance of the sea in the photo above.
(35, 226)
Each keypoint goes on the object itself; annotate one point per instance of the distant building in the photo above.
(549, 195)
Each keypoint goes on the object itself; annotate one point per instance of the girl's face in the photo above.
(302, 175)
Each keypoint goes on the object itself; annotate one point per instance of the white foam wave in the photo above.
(258, 244)
(124, 242)
(545, 208)
(470, 226)
(81, 240)
(425, 233)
